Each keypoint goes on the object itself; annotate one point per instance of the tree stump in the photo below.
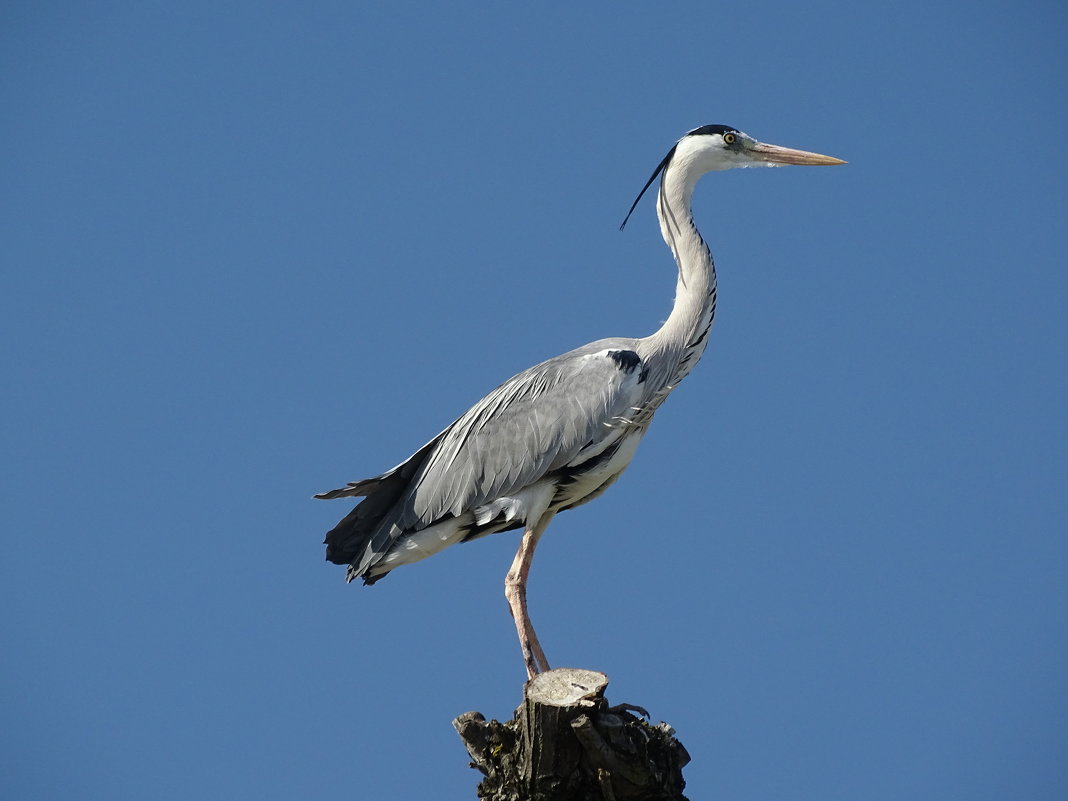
(566, 743)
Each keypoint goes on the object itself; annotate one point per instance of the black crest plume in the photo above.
(659, 169)
(704, 130)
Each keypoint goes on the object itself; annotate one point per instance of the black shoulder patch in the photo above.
(627, 360)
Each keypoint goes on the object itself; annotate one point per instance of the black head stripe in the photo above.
(659, 169)
(708, 130)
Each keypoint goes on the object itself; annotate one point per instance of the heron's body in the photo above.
(451, 496)
(557, 434)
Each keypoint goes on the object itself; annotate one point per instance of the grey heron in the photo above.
(559, 433)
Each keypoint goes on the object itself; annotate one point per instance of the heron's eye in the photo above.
(729, 138)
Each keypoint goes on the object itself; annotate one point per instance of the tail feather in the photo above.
(348, 542)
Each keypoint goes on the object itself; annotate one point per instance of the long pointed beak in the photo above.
(784, 155)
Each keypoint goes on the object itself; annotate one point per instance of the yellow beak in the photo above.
(784, 155)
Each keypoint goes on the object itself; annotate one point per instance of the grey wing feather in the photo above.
(529, 426)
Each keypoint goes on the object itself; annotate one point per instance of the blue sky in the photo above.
(254, 251)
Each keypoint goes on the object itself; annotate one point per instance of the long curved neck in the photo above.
(672, 351)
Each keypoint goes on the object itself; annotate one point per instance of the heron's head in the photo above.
(721, 147)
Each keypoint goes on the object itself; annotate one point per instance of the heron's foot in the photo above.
(641, 710)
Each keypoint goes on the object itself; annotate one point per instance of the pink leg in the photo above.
(515, 591)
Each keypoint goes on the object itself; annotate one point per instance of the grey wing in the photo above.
(535, 423)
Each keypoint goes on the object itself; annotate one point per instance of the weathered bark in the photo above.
(566, 743)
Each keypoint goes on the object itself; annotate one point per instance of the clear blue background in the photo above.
(252, 251)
